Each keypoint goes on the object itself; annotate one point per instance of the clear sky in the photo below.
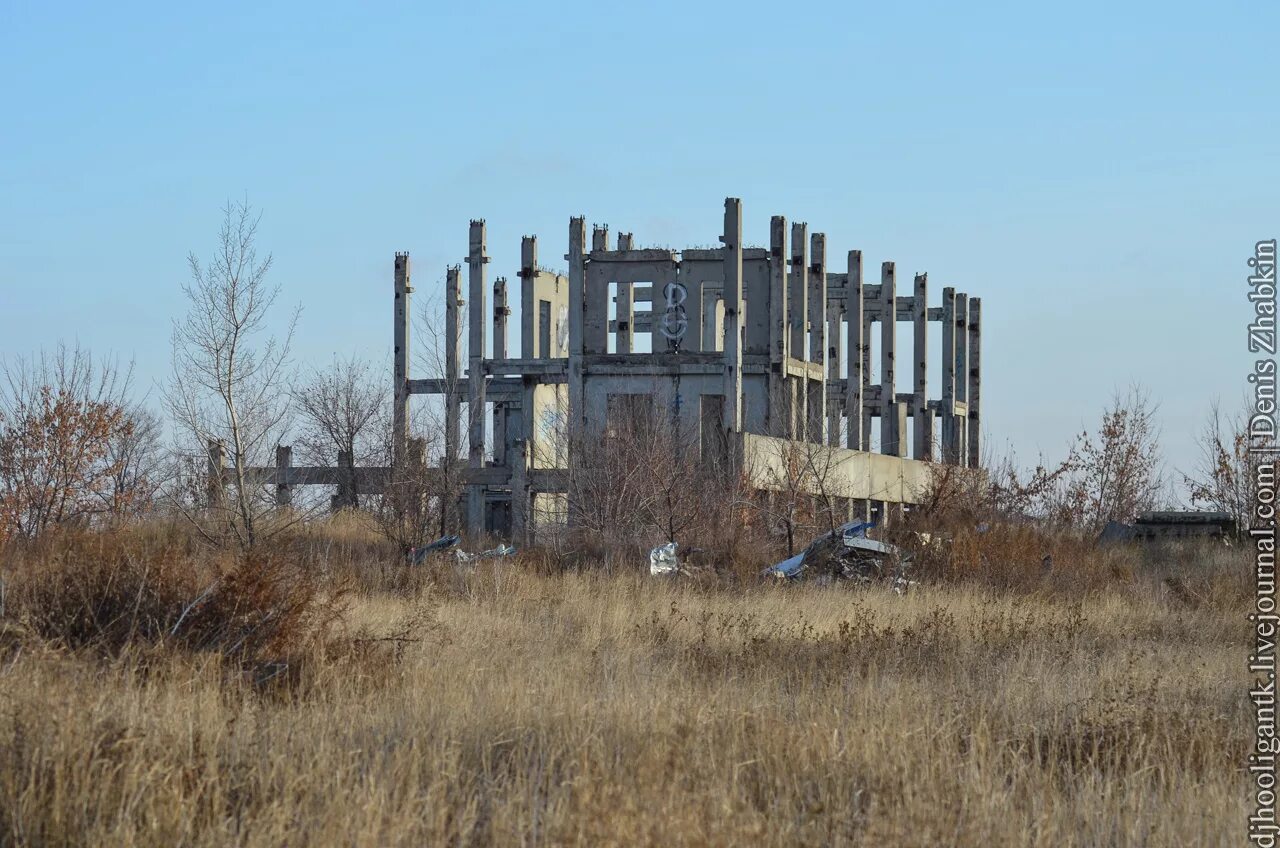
(1097, 173)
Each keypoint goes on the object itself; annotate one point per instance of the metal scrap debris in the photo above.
(846, 554)
(492, 553)
(663, 559)
(416, 556)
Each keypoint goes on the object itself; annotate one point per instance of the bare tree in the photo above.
(340, 410)
(1226, 475)
(136, 457)
(229, 378)
(1118, 473)
(62, 416)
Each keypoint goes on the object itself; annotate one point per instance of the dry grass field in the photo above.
(513, 704)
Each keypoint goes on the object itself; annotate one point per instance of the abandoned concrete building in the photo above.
(753, 345)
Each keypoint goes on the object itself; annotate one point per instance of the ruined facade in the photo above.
(751, 344)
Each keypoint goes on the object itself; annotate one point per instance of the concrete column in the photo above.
(400, 402)
(798, 290)
(576, 258)
(778, 328)
(528, 297)
(600, 237)
(477, 258)
(732, 240)
(625, 241)
(921, 417)
(284, 461)
(500, 313)
(624, 318)
(452, 361)
(950, 443)
(855, 384)
(215, 490)
(347, 496)
(520, 495)
(817, 389)
(890, 435)
(975, 382)
(962, 376)
(798, 312)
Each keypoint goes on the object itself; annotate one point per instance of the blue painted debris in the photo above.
(845, 552)
(417, 555)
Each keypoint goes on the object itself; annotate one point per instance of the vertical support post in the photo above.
(625, 241)
(778, 328)
(950, 444)
(798, 311)
(347, 496)
(962, 377)
(576, 257)
(798, 307)
(520, 496)
(400, 401)
(452, 363)
(856, 384)
(528, 297)
(600, 237)
(921, 417)
(732, 240)
(500, 313)
(476, 325)
(817, 389)
(975, 382)
(890, 434)
(284, 460)
(835, 353)
(624, 318)
(215, 488)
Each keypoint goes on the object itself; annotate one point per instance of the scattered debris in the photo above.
(417, 555)
(492, 553)
(663, 559)
(846, 554)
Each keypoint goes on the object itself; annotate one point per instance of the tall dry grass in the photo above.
(508, 704)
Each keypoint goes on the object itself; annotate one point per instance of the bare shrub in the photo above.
(67, 442)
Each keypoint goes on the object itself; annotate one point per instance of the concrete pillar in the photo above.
(477, 258)
(817, 389)
(452, 361)
(732, 240)
(347, 496)
(798, 312)
(400, 401)
(576, 257)
(855, 384)
(962, 376)
(950, 443)
(921, 417)
(215, 488)
(600, 237)
(624, 318)
(284, 461)
(520, 495)
(528, 297)
(890, 434)
(798, 290)
(835, 353)
(975, 382)
(500, 313)
(625, 241)
(776, 417)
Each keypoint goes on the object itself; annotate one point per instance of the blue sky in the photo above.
(1097, 173)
